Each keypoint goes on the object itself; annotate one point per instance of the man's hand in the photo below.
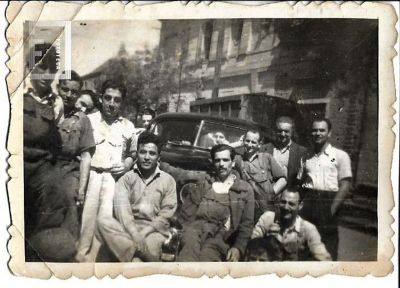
(273, 229)
(233, 255)
(118, 169)
(140, 244)
(334, 209)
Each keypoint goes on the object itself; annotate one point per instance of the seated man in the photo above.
(264, 249)
(144, 201)
(300, 239)
(217, 215)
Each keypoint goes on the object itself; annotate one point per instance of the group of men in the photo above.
(279, 198)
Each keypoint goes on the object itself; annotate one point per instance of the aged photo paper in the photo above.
(227, 60)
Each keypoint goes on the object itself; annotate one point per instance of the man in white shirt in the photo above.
(325, 174)
(114, 138)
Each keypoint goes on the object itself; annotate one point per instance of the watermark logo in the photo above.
(46, 53)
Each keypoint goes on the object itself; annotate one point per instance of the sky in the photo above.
(98, 41)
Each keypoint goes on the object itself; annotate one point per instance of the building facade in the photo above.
(243, 67)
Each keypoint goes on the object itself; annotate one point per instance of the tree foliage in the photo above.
(149, 78)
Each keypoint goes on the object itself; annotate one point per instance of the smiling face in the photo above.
(147, 157)
(290, 206)
(84, 103)
(223, 164)
(69, 92)
(219, 138)
(252, 142)
(320, 133)
(111, 102)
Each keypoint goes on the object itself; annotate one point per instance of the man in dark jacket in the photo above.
(217, 214)
(285, 151)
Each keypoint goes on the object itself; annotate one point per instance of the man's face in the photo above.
(252, 142)
(84, 103)
(146, 120)
(290, 205)
(42, 84)
(111, 102)
(69, 92)
(223, 164)
(320, 133)
(147, 157)
(259, 255)
(284, 133)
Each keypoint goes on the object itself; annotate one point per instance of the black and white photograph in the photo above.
(211, 139)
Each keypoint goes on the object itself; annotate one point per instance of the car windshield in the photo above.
(212, 134)
(184, 132)
(181, 132)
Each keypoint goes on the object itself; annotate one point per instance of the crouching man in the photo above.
(217, 214)
(144, 201)
(300, 239)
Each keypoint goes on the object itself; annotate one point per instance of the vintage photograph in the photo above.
(242, 139)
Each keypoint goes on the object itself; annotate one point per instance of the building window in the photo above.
(237, 29)
(208, 31)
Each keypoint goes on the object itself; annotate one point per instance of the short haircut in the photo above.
(147, 137)
(269, 244)
(93, 96)
(114, 84)
(148, 111)
(285, 119)
(295, 189)
(48, 57)
(74, 77)
(222, 147)
(326, 120)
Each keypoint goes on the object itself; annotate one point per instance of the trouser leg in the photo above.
(69, 187)
(111, 233)
(89, 215)
(214, 249)
(191, 244)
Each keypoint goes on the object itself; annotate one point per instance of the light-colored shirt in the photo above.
(323, 171)
(114, 143)
(223, 188)
(299, 241)
(282, 157)
(153, 200)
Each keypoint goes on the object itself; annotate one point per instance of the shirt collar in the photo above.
(152, 177)
(296, 225)
(286, 148)
(119, 119)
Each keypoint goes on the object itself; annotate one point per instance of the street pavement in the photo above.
(355, 245)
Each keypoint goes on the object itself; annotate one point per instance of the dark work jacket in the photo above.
(241, 198)
(295, 154)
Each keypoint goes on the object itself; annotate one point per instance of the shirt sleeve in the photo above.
(168, 206)
(122, 205)
(260, 230)
(344, 165)
(276, 169)
(87, 139)
(314, 243)
(131, 137)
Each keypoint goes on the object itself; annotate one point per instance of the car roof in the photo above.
(207, 117)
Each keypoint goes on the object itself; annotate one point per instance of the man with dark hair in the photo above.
(264, 249)
(300, 239)
(325, 174)
(78, 146)
(285, 151)
(217, 214)
(145, 199)
(87, 102)
(262, 172)
(147, 115)
(114, 137)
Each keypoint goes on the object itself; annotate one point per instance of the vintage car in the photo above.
(189, 137)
